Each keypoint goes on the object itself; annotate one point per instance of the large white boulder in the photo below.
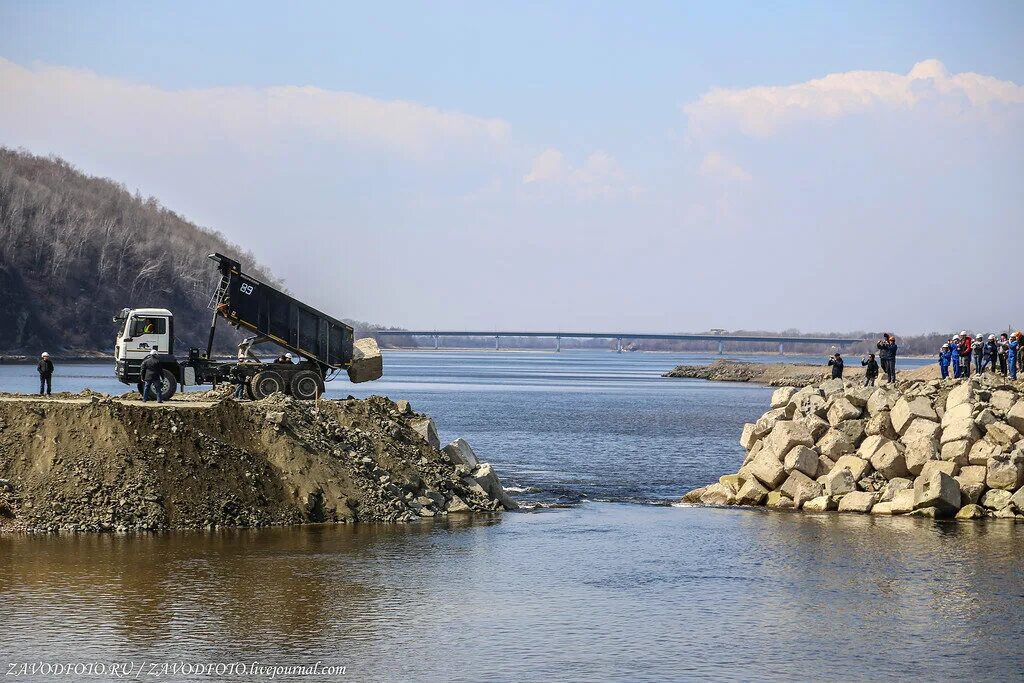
(962, 393)
(782, 396)
(918, 452)
(842, 410)
(786, 435)
(1015, 416)
(905, 411)
(767, 468)
(940, 491)
(889, 461)
(881, 424)
(800, 488)
(871, 445)
(996, 499)
(982, 450)
(839, 482)
(857, 501)
(962, 429)
(933, 466)
(858, 467)
(956, 451)
(834, 444)
(1005, 471)
(747, 438)
(803, 459)
(367, 362)
(766, 422)
(903, 502)
(1002, 433)
(751, 493)
(425, 427)
(1002, 399)
(459, 452)
(959, 412)
(880, 400)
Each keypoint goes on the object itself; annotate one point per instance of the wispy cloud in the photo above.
(719, 167)
(46, 96)
(762, 110)
(598, 176)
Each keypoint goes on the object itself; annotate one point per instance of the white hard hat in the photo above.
(153, 352)
(287, 355)
(945, 346)
(991, 336)
(45, 355)
(963, 333)
(956, 336)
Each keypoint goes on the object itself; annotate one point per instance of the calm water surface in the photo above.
(617, 586)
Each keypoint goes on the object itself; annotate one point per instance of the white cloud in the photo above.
(598, 175)
(43, 97)
(761, 111)
(719, 167)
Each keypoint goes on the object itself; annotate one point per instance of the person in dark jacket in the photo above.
(887, 353)
(1003, 349)
(836, 362)
(978, 349)
(988, 353)
(45, 369)
(238, 379)
(945, 356)
(964, 351)
(151, 372)
(870, 370)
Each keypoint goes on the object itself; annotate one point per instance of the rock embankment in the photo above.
(928, 448)
(782, 374)
(96, 463)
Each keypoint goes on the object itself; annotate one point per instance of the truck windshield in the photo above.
(142, 326)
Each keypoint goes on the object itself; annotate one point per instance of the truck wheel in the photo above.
(266, 383)
(168, 385)
(307, 385)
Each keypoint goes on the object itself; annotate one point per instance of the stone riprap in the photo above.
(928, 448)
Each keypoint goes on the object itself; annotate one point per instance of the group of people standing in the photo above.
(994, 354)
(887, 348)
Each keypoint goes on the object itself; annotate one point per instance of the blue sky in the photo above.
(571, 162)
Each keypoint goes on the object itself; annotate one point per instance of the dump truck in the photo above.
(324, 345)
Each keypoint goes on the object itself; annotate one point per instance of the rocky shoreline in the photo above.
(930, 448)
(91, 462)
(783, 374)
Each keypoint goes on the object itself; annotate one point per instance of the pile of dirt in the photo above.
(90, 462)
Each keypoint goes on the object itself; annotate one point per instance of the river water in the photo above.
(617, 584)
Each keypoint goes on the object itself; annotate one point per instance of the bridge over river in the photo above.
(437, 335)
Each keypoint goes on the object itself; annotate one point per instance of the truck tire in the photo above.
(307, 385)
(168, 385)
(266, 383)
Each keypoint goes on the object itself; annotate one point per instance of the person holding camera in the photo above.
(870, 370)
(887, 353)
(836, 362)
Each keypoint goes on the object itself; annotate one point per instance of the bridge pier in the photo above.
(618, 345)
(721, 347)
(435, 342)
(558, 344)
(496, 342)
(781, 352)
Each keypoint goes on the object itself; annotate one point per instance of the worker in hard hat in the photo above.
(152, 374)
(45, 369)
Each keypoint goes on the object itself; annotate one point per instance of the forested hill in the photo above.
(75, 249)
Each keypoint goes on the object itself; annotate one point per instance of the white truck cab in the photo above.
(145, 329)
(140, 331)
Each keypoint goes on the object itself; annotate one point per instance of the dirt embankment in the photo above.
(787, 374)
(94, 463)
